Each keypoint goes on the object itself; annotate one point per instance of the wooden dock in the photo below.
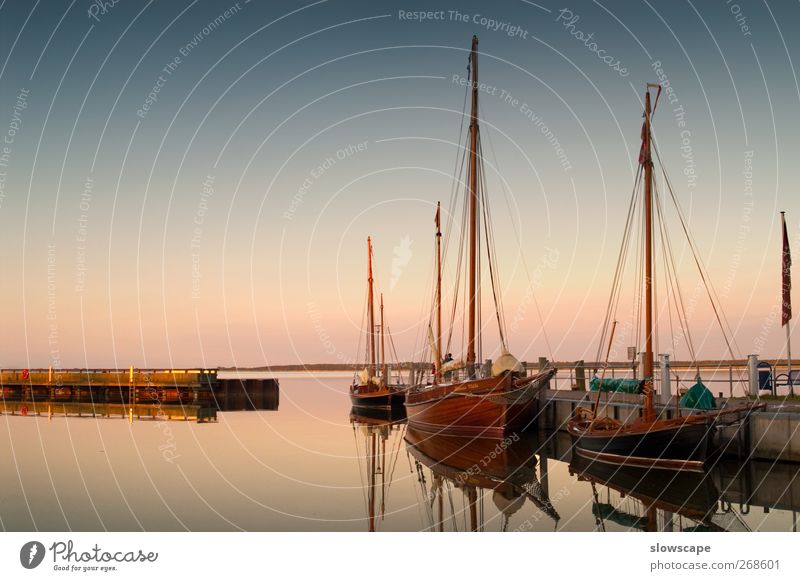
(173, 394)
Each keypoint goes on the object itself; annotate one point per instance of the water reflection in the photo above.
(475, 484)
(649, 500)
(373, 430)
(719, 499)
(449, 467)
(305, 468)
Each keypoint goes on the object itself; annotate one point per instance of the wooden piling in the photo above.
(542, 366)
(580, 376)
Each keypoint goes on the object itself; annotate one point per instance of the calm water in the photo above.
(309, 467)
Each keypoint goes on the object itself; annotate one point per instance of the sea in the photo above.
(315, 464)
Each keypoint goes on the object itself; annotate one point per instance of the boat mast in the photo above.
(648, 265)
(371, 309)
(383, 346)
(473, 207)
(438, 354)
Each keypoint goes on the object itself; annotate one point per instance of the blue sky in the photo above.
(194, 182)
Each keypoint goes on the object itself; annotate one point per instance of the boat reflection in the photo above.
(474, 467)
(654, 500)
(373, 430)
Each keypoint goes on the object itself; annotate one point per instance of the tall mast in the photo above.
(383, 346)
(371, 309)
(438, 294)
(648, 264)
(473, 207)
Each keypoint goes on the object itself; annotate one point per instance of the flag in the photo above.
(641, 148)
(644, 125)
(786, 283)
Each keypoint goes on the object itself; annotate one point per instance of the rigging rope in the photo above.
(710, 292)
(490, 250)
(613, 299)
(679, 306)
(360, 336)
(518, 240)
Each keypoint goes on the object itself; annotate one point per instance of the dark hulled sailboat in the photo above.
(371, 386)
(648, 441)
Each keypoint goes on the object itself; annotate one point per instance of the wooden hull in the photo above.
(384, 398)
(488, 408)
(669, 444)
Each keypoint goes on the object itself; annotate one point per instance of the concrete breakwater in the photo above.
(185, 394)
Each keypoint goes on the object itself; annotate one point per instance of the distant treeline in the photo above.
(529, 364)
(309, 367)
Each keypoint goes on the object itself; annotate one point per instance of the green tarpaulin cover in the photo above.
(608, 512)
(698, 397)
(616, 384)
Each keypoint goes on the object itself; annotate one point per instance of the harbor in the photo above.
(372, 268)
(331, 467)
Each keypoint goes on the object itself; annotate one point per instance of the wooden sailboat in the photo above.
(649, 441)
(503, 399)
(372, 385)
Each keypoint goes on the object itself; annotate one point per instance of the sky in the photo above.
(192, 183)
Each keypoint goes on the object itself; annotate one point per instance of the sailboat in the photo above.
(649, 441)
(371, 386)
(462, 398)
